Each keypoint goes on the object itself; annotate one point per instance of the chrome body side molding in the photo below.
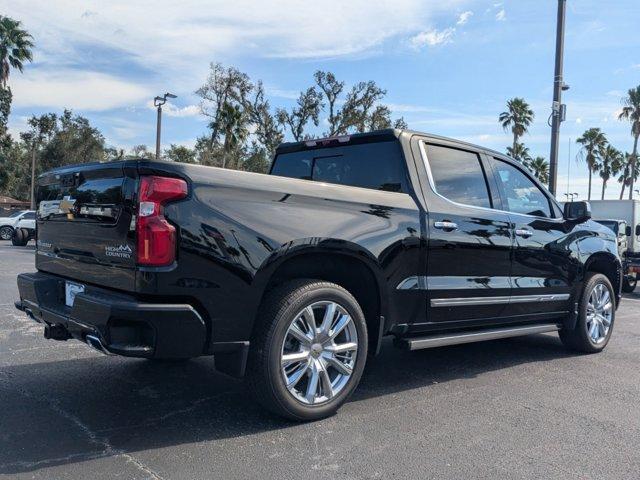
(470, 301)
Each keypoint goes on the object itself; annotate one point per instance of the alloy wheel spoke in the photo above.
(327, 320)
(297, 357)
(341, 367)
(341, 324)
(342, 348)
(299, 335)
(594, 329)
(293, 379)
(327, 388)
(313, 384)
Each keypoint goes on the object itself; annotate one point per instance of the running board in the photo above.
(417, 343)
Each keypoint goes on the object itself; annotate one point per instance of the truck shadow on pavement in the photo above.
(61, 412)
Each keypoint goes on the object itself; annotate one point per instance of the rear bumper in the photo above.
(111, 322)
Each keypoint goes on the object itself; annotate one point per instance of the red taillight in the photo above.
(156, 236)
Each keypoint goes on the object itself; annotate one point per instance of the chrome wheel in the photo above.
(319, 352)
(6, 233)
(599, 313)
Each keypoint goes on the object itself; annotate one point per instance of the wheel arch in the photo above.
(344, 263)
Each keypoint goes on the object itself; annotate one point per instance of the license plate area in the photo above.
(71, 289)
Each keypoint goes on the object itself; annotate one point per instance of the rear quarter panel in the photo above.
(237, 226)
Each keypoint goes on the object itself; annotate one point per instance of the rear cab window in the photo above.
(458, 175)
(377, 165)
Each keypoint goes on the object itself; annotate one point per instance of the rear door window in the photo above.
(458, 175)
(378, 166)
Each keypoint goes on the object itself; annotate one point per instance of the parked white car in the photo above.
(8, 224)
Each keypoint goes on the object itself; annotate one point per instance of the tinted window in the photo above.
(373, 165)
(15, 214)
(29, 216)
(520, 193)
(458, 175)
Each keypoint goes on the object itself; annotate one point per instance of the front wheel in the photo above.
(596, 314)
(308, 351)
(6, 232)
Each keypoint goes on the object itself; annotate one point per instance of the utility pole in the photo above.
(158, 102)
(558, 110)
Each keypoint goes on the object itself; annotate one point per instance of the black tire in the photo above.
(629, 283)
(20, 237)
(578, 339)
(264, 374)
(6, 232)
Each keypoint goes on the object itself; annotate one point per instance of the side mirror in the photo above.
(578, 211)
(628, 230)
(638, 230)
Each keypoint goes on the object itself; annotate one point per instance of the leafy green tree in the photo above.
(233, 127)
(611, 162)
(141, 151)
(307, 110)
(540, 168)
(631, 112)
(258, 160)
(41, 128)
(518, 117)
(180, 153)
(224, 86)
(520, 153)
(625, 175)
(15, 47)
(268, 131)
(592, 141)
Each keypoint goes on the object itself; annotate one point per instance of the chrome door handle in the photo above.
(523, 232)
(446, 225)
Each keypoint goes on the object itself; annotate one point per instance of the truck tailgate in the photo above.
(85, 224)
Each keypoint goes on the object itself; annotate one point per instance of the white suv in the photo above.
(8, 224)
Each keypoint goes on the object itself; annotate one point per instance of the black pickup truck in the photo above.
(292, 279)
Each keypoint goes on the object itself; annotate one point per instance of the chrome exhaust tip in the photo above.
(95, 343)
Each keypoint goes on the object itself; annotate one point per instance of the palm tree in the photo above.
(15, 47)
(625, 177)
(520, 153)
(518, 116)
(234, 128)
(540, 168)
(592, 141)
(611, 162)
(631, 112)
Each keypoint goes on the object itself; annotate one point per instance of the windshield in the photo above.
(609, 224)
(15, 214)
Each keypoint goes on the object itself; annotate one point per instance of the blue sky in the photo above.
(448, 67)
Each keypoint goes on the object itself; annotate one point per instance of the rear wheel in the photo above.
(596, 315)
(629, 283)
(20, 237)
(308, 351)
(6, 232)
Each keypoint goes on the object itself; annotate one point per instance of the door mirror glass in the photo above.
(628, 230)
(638, 230)
(577, 211)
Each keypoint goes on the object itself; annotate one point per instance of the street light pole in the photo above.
(158, 102)
(558, 110)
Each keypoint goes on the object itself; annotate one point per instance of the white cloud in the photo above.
(66, 88)
(432, 38)
(501, 15)
(168, 34)
(464, 17)
(172, 110)
(578, 120)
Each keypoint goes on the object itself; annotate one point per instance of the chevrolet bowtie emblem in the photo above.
(67, 205)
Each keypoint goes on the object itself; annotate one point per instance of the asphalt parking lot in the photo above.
(516, 408)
